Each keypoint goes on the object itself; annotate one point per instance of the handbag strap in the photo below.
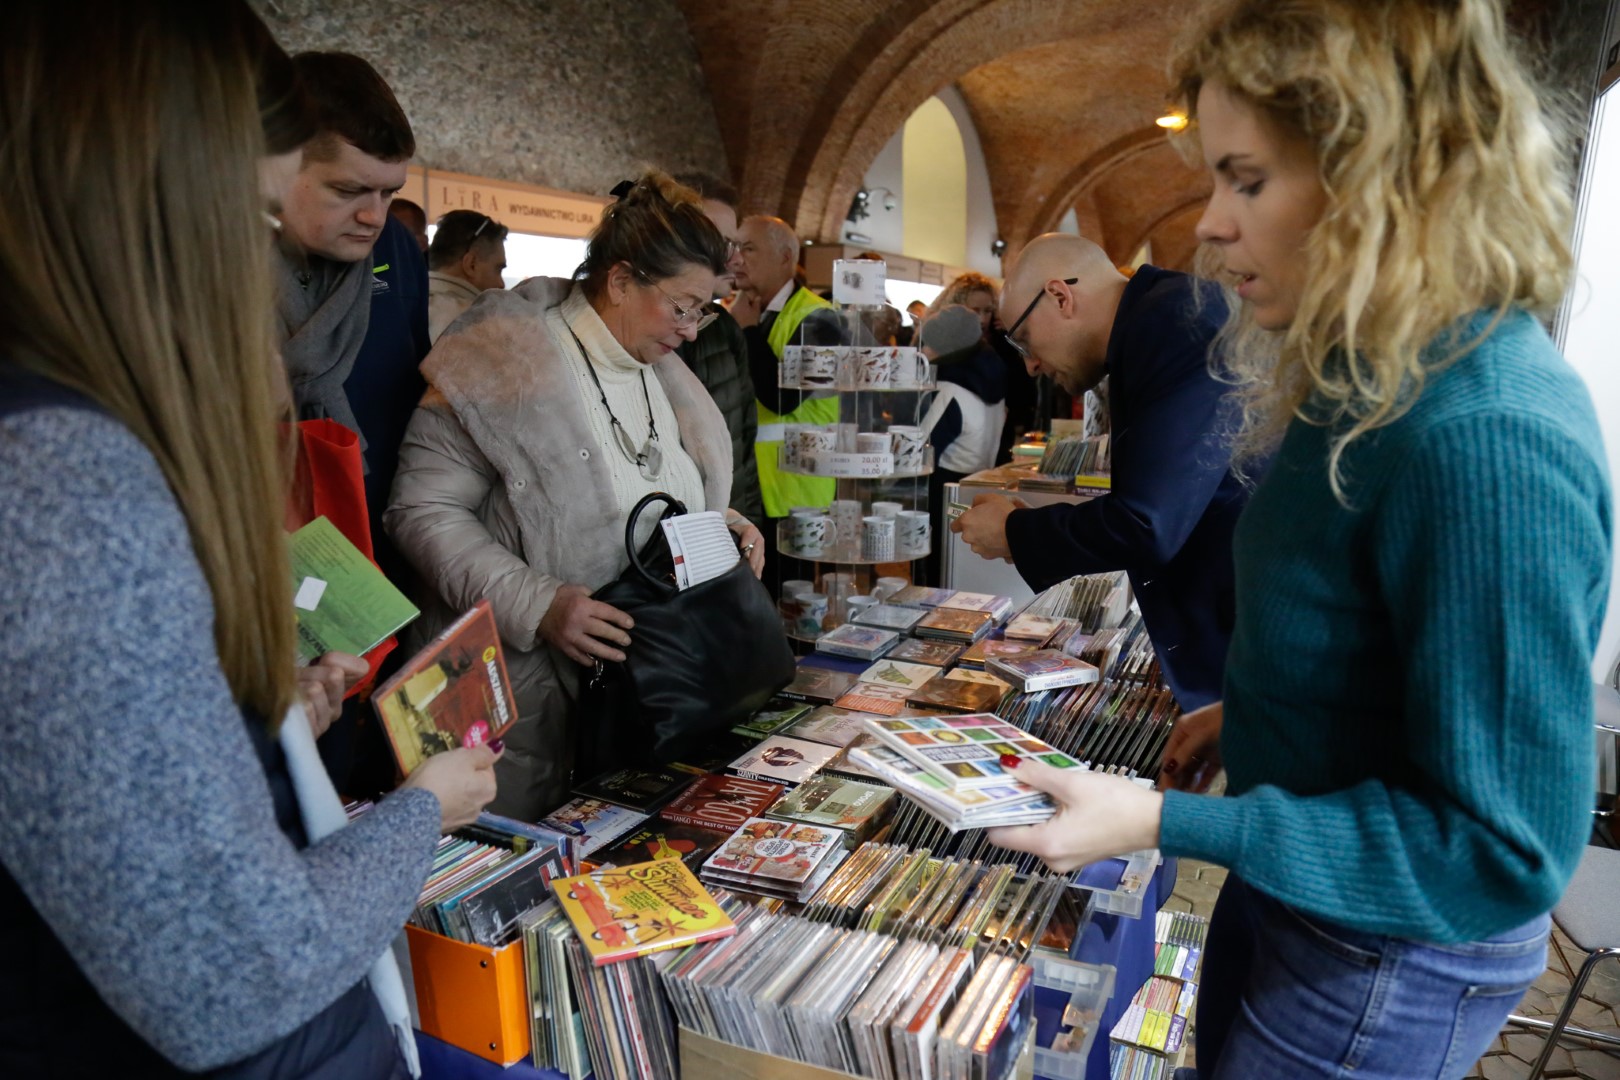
(674, 508)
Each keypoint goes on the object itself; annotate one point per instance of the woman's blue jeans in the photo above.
(1286, 996)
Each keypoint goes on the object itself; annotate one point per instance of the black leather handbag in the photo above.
(700, 661)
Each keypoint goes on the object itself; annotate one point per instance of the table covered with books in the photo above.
(816, 888)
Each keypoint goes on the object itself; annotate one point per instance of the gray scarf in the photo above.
(323, 308)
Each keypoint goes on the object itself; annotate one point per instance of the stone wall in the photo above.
(565, 94)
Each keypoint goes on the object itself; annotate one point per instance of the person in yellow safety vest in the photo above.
(774, 311)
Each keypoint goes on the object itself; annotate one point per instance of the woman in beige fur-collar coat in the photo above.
(552, 409)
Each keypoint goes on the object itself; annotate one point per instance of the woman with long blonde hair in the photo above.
(1421, 574)
(165, 904)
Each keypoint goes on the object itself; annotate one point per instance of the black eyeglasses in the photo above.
(1018, 346)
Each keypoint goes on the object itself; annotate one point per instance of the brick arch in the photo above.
(1078, 181)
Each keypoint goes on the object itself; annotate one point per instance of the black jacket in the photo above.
(1168, 519)
(719, 358)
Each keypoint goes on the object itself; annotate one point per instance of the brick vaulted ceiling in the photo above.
(1063, 94)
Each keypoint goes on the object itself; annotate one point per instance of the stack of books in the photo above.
(954, 625)
(776, 858)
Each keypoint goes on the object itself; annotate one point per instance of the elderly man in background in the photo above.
(467, 256)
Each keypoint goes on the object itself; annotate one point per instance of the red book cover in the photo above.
(716, 801)
(453, 693)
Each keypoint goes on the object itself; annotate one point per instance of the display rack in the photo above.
(880, 388)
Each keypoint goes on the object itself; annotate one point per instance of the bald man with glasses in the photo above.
(1169, 516)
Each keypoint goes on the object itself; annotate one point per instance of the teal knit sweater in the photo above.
(1408, 701)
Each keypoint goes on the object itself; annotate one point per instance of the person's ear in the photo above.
(618, 283)
(1063, 297)
(469, 263)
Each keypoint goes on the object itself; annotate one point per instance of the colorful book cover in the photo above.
(643, 790)
(857, 808)
(1045, 669)
(940, 654)
(776, 851)
(984, 678)
(777, 714)
(658, 839)
(891, 672)
(965, 751)
(783, 759)
(828, 724)
(595, 821)
(920, 596)
(981, 652)
(640, 909)
(877, 698)
(717, 801)
(342, 602)
(453, 693)
(956, 625)
(958, 695)
(995, 606)
(1036, 628)
(859, 642)
(817, 684)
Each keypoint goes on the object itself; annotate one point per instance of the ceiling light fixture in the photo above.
(1172, 121)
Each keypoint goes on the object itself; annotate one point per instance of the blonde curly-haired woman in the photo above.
(1421, 575)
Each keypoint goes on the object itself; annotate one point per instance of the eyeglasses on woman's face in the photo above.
(694, 316)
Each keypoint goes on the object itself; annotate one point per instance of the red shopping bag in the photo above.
(329, 481)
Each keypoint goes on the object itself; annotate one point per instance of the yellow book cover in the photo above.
(634, 910)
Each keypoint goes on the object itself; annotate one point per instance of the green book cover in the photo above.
(343, 602)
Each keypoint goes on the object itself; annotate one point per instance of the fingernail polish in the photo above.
(1010, 761)
(496, 745)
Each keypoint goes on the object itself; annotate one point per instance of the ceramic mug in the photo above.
(886, 509)
(886, 587)
(877, 538)
(818, 367)
(909, 367)
(857, 604)
(812, 442)
(846, 515)
(812, 613)
(874, 442)
(912, 533)
(874, 367)
(908, 447)
(813, 533)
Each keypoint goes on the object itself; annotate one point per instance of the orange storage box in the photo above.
(471, 996)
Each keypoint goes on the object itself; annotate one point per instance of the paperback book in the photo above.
(341, 601)
(965, 751)
(777, 714)
(860, 642)
(1044, 669)
(718, 801)
(785, 760)
(775, 858)
(659, 839)
(595, 822)
(640, 909)
(857, 809)
(453, 693)
(817, 684)
(642, 790)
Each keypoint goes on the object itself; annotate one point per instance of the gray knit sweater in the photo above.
(134, 812)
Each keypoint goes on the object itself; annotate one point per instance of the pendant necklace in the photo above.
(650, 458)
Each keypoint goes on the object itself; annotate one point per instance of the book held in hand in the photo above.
(342, 602)
(453, 693)
(965, 751)
(640, 909)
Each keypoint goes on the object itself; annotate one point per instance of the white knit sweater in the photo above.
(621, 376)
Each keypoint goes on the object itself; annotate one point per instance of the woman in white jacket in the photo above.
(552, 409)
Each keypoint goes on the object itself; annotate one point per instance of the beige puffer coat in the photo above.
(502, 493)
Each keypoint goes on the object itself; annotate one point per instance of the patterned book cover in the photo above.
(940, 654)
(879, 698)
(640, 909)
(453, 693)
(717, 801)
(859, 642)
(657, 839)
(855, 807)
(597, 823)
(341, 601)
(965, 751)
(829, 724)
(955, 625)
(777, 714)
(783, 759)
(774, 851)
(960, 695)
(893, 672)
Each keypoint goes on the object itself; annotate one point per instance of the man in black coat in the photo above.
(1167, 521)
